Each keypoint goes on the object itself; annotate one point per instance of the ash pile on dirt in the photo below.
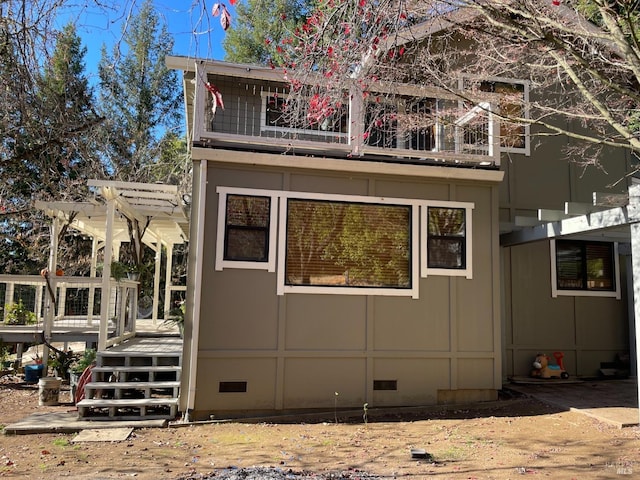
(272, 473)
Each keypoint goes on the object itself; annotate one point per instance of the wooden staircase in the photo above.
(136, 380)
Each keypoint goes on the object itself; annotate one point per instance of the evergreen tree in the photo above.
(140, 97)
(142, 101)
(48, 129)
(259, 28)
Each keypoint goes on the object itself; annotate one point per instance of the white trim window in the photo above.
(514, 137)
(247, 225)
(350, 245)
(342, 244)
(447, 242)
(584, 268)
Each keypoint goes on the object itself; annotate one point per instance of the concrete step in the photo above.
(129, 408)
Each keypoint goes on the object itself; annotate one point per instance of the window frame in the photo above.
(427, 271)
(526, 86)
(220, 262)
(557, 292)
(414, 238)
(277, 239)
(265, 127)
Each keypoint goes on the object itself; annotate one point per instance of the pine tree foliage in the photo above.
(140, 97)
(260, 26)
(48, 127)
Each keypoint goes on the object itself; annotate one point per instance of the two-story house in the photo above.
(333, 267)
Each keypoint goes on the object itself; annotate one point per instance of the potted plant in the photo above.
(134, 271)
(119, 270)
(175, 316)
(18, 314)
(61, 361)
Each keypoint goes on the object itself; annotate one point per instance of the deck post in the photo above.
(167, 280)
(156, 282)
(49, 311)
(634, 206)
(92, 274)
(106, 276)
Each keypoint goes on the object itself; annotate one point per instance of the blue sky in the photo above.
(195, 31)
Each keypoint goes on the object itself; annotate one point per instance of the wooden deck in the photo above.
(152, 346)
(68, 333)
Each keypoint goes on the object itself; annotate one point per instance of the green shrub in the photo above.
(18, 314)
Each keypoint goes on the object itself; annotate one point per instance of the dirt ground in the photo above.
(514, 437)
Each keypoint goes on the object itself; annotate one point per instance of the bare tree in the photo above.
(580, 59)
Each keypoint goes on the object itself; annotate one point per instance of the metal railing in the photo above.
(261, 113)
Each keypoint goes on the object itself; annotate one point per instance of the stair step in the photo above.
(137, 368)
(130, 373)
(139, 360)
(148, 368)
(118, 390)
(116, 408)
(142, 353)
(141, 385)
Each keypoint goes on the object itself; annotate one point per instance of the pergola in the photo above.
(159, 210)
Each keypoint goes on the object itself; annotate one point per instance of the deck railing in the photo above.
(78, 304)
(414, 123)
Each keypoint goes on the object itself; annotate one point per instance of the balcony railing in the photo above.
(411, 123)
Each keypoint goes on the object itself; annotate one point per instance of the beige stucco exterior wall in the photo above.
(296, 351)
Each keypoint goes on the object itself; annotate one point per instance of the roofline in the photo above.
(243, 70)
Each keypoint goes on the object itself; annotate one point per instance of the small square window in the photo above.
(247, 228)
(247, 222)
(513, 104)
(446, 238)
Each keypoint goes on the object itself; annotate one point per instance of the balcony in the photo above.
(251, 108)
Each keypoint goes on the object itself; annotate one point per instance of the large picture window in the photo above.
(582, 266)
(343, 244)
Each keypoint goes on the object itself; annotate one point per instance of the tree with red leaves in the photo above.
(580, 58)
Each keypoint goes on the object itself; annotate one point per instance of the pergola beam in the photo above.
(610, 218)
